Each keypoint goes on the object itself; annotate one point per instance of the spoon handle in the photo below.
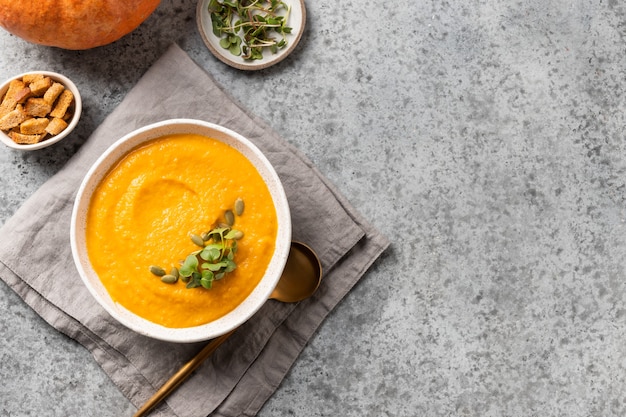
(182, 374)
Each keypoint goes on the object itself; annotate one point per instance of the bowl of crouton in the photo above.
(37, 109)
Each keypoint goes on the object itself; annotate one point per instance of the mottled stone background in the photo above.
(484, 137)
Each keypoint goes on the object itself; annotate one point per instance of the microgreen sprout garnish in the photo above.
(213, 261)
(246, 27)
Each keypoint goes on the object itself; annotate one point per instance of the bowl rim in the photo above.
(261, 292)
(78, 107)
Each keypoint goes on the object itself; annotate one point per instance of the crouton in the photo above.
(53, 92)
(56, 126)
(25, 139)
(63, 103)
(38, 88)
(37, 107)
(13, 118)
(31, 78)
(34, 126)
(22, 95)
(9, 101)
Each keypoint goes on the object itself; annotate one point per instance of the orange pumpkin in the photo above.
(74, 24)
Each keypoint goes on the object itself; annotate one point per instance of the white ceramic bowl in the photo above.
(78, 107)
(261, 292)
(297, 22)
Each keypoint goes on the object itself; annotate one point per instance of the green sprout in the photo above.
(246, 27)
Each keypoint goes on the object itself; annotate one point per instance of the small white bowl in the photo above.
(261, 292)
(78, 107)
(297, 21)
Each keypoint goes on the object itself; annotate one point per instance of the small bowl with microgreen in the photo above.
(181, 230)
(251, 35)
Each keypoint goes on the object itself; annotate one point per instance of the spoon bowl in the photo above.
(301, 276)
(300, 279)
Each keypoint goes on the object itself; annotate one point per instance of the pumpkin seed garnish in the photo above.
(216, 258)
(157, 270)
(174, 272)
(230, 217)
(197, 240)
(169, 279)
(239, 206)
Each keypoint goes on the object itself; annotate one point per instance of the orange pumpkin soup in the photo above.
(147, 206)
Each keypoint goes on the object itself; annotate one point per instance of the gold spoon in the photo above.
(299, 280)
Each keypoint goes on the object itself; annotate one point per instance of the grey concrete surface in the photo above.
(485, 138)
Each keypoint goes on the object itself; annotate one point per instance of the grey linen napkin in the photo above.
(245, 371)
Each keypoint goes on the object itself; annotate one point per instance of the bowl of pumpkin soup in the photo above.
(181, 230)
